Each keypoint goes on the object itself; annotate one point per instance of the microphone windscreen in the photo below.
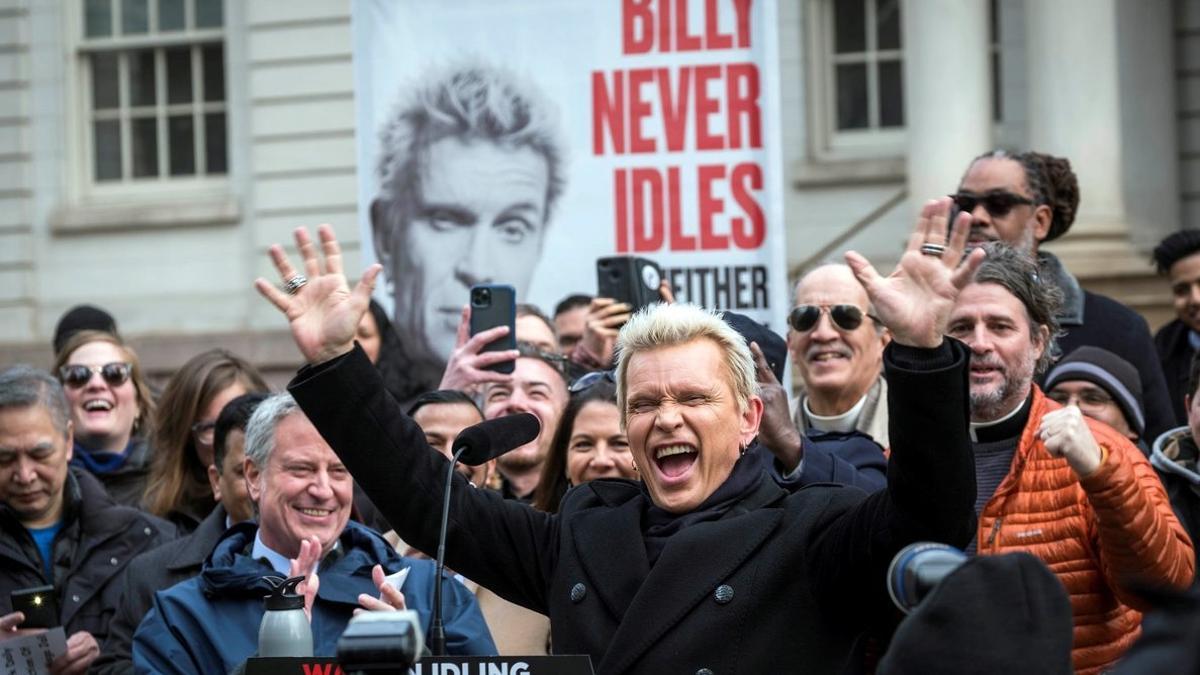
(491, 438)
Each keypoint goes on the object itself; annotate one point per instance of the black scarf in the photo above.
(659, 525)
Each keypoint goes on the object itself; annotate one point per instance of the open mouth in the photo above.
(825, 357)
(315, 512)
(674, 461)
(97, 405)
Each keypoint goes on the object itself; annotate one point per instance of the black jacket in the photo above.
(152, 571)
(126, 485)
(1175, 353)
(1098, 320)
(98, 539)
(780, 582)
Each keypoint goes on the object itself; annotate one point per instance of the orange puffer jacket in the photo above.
(1092, 532)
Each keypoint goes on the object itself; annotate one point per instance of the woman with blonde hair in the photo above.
(111, 411)
(183, 434)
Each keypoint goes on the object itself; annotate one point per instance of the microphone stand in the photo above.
(437, 628)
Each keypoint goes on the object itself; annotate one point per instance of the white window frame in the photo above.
(86, 189)
(828, 144)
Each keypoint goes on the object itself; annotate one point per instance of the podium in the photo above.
(580, 664)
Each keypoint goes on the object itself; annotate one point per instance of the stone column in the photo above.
(947, 91)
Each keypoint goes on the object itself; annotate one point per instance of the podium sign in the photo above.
(436, 665)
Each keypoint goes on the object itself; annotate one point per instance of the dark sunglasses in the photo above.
(78, 375)
(998, 204)
(589, 380)
(846, 317)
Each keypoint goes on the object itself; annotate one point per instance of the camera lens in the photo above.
(481, 297)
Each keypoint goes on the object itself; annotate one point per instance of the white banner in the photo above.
(516, 141)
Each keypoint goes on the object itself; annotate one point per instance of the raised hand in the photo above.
(1066, 434)
(305, 565)
(390, 598)
(916, 299)
(323, 311)
(605, 317)
(777, 432)
(466, 368)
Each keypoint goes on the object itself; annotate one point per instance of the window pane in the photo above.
(887, 19)
(141, 77)
(214, 142)
(849, 26)
(852, 96)
(170, 15)
(97, 18)
(107, 145)
(105, 94)
(214, 72)
(179, 75)
(145, 147)
(209, 14)
(135, 17)
(891, 94)
(181, 145)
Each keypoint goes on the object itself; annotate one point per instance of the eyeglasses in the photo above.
(589, 380)
(1086, 399)
(203, 432)
(846, 317)
(998, 204)
(78, 375)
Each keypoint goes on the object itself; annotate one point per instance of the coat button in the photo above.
(578, 592)
(723, 594)
(704, 671)
(147, 531)
(75, 598)
(113, 561)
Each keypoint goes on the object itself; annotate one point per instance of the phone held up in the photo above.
(38, 605)
(495, 305)
(629, 279)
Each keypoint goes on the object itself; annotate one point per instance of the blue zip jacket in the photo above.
(209, 624)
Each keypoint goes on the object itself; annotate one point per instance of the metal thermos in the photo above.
(285, 630)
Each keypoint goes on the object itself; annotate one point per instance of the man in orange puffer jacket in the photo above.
(1068, 489)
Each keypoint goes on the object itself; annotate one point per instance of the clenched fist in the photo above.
(1066, 434)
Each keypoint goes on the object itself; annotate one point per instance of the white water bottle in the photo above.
(285, 630)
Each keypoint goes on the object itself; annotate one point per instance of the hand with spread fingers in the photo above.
(914, 302)
(466, 368)
(777, 432)
(1066, 434)
(320, 306)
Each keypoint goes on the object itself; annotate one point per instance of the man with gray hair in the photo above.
(470, 166)
(58, 526)
(1052, 482)
(302, 493)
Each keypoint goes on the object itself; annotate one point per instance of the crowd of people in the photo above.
(679, 509)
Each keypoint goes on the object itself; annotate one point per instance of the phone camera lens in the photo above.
(482, 297)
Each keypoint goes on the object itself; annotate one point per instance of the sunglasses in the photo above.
(846, 317)
(997, 204)
(589, 380)
(78, 375)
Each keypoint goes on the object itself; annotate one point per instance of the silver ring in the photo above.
(935, 250)
(294, 283)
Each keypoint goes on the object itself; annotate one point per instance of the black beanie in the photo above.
(994, 615)
(81, 318)
(773, 347)
(1109, 372)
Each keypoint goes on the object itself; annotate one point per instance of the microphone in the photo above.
(917, 569)
(492, 438)
(474, 446)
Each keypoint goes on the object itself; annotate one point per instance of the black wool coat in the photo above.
(146, 574)
(98, 539)
(781, 583)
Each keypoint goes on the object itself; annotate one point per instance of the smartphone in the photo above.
(629, 279)
(495, 305)
(38, 605)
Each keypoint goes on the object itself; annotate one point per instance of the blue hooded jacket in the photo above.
(209, 624)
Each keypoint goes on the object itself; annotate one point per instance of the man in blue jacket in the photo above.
(303, 495)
